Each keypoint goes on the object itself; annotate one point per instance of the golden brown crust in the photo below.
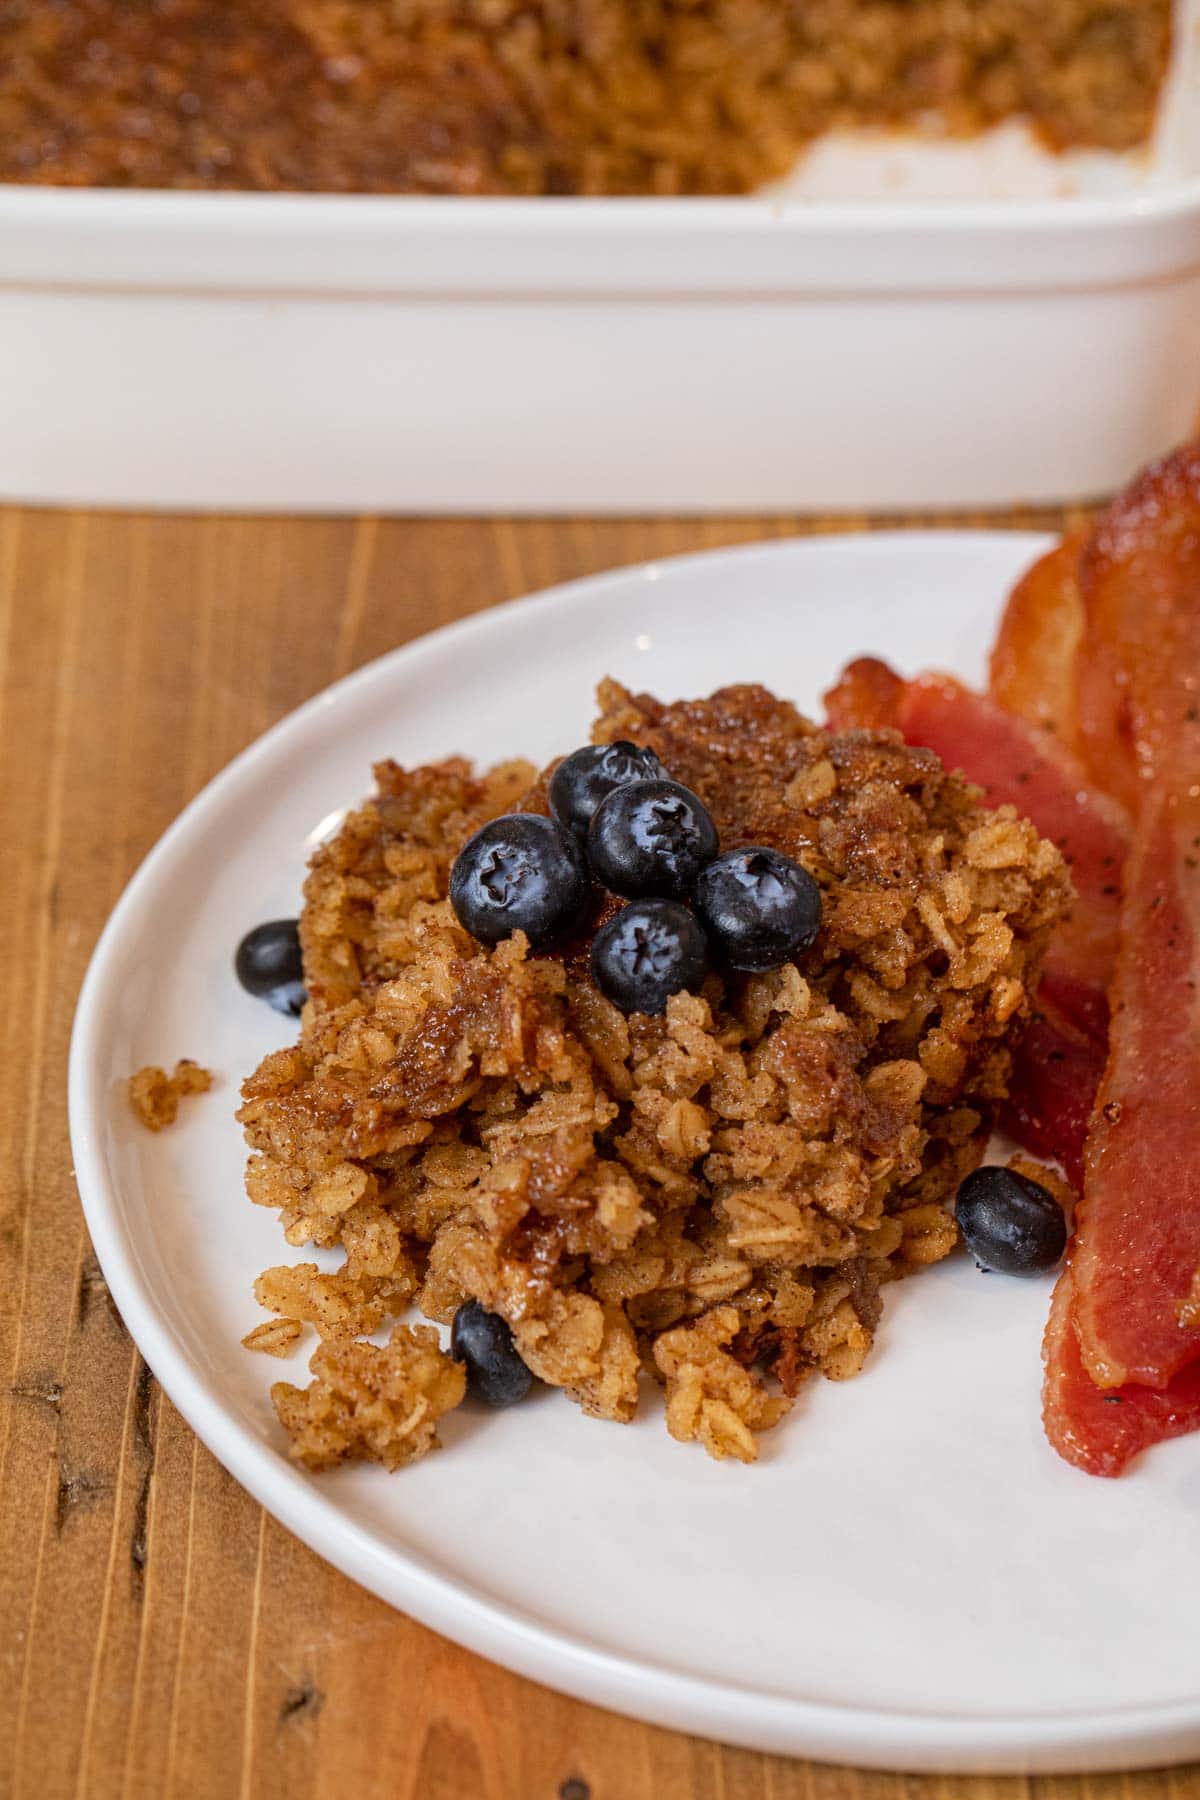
(724, 1186)
(598, 96)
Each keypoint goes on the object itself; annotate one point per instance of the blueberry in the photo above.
(1009, 1223)
(759, 907)
(651, 838)
(495, 1373)
(269, 965)
(649, 951)
(587, 777)
(519, 873)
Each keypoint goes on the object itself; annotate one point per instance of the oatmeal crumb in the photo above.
(154, 1095)
(379, 1404)
(274, 1337)
(1054, 1182)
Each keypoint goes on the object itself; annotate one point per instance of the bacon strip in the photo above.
(1138, 1232)
(1056, 1070)
(1100, 1430)
(1032, 668)
(1138, 672)
(1138, 1246)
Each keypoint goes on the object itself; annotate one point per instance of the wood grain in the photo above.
(159, 1635)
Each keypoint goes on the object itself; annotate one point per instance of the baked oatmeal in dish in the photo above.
(711, 1196)
(543, 96)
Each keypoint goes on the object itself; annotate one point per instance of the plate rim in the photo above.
(410, 1581)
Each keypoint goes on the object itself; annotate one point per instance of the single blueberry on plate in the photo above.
(651, 839)
(521, 872)
(759, 907)
(1010, 1223)
(269, 965)
(650, 950)
(495, 1373)
(588, 776)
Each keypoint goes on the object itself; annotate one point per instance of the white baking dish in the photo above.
(940, 326)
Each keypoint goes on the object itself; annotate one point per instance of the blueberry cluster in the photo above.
(619, 819)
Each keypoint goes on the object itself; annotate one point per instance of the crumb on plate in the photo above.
(1047, 1176)
(154, 1095)
(274, 1337)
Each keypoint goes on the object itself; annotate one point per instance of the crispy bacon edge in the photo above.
(1137, 1255)
(1101, 1430)
(1031, 672)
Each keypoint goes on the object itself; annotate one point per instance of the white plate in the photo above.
(909, 1578)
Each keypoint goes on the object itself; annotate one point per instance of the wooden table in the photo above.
(159, 1635)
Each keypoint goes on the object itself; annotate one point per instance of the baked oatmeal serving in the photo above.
(653, 1068)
